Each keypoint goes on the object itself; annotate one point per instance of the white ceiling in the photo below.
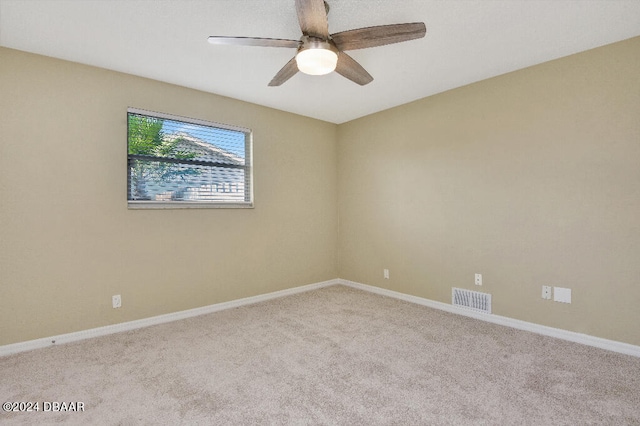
(467, 41)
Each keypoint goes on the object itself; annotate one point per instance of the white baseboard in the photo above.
(585, 339)
(160, 319)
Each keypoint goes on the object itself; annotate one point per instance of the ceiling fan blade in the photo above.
(312, 16)
(288, 71)
(363, 38)
(349, 68)
(254, 41)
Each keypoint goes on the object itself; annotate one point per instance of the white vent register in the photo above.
(473, 300)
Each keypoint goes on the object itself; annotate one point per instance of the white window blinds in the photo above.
(182, 162)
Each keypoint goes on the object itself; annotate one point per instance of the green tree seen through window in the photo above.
(147, 138)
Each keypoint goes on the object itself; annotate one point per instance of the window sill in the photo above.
(145, 205)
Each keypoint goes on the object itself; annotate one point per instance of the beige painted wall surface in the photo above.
(68, 241)
(531, 178)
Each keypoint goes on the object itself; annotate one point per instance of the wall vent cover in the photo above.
(473, 300)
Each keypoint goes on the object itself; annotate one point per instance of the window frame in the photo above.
(182, 204)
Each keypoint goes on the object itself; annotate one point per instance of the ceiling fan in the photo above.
(320, 52)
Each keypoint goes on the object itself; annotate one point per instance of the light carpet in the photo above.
(331, 356)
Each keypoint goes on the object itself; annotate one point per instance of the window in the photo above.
(182, 162)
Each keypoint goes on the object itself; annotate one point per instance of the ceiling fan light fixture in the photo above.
(316, 57)
(319, 52)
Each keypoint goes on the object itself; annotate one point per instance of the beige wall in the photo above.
(68, 241)
(531, 178)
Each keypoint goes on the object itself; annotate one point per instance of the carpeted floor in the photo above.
(331, 356)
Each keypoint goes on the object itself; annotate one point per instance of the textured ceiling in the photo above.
(467, 41)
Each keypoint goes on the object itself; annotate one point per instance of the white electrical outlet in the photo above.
(116, 301)
(546, 292)
(386, 274)
(478, 279)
